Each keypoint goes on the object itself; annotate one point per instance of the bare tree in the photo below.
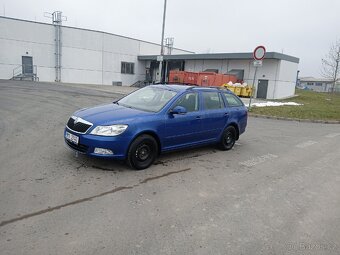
(330, 64)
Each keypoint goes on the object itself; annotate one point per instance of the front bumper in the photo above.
(87, 143)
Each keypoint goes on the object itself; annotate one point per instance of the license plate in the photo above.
(72, 138)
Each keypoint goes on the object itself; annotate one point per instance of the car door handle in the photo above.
(226, 114)
(198, 117)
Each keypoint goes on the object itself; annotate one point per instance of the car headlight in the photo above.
(112, 130)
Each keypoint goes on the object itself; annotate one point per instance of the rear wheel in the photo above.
(228, 138)
(142, 152)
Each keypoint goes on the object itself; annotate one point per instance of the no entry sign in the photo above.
(259, 52)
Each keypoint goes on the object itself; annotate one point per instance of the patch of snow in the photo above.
(264, 104)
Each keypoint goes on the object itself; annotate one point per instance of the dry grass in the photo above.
(316, 106)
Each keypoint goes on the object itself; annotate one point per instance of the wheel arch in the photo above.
(234, 124)
(151, 133)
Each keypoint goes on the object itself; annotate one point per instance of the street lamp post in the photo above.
(162, 44)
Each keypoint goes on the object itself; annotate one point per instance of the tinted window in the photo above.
(212, 100)
(233, 100)
(189, 101)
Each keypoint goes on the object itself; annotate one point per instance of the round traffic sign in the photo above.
(259, 52)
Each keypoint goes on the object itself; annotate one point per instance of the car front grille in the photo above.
(80, 126)
(78, 147)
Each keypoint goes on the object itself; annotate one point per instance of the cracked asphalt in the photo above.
(276, 192)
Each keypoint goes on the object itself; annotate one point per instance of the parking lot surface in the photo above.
(276, 192)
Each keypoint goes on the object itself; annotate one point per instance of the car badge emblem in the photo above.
(76, 120)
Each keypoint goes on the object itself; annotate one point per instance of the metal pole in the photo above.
(252, 91)
(297, 78)
(162, 42)
(336, 70)
(163, 28)
(166, 71)
(60, 50)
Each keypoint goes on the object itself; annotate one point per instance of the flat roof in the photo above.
(216, 56)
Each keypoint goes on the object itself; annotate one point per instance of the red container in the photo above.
(206, 79)
(229, 78)
(176, 77)
(190, 78)
(219, 78)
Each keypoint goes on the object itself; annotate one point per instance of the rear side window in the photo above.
(212, 100)
(188, 101)
(233, 100)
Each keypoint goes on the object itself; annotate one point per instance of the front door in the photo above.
(27, 65)
(183, 129)
(262, 88)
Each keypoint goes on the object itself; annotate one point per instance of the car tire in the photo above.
(142, 152)
(228, 139)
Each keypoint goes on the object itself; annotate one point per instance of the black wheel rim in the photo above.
(229, 139)
(143, 152)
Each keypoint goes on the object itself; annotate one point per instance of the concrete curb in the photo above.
(293, 119)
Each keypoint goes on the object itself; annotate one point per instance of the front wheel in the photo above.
(142, 152)
(228, 139)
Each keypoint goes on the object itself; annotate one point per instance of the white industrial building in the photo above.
(275, 79)
(85, 56)
(51, 52)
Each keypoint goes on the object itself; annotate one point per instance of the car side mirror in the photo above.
(179, 110)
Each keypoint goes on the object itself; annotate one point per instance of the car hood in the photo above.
(110, 114)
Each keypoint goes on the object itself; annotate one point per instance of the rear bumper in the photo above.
(87, 143)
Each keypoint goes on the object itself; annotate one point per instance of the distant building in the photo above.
(316, 84)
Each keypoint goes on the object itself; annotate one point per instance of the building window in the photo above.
(128, 68)
(318, 83)
(310, 83)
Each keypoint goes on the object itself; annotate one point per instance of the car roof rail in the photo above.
(210, 87)
(192, 87)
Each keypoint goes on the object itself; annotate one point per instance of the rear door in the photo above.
(237, 111)
(215, 115)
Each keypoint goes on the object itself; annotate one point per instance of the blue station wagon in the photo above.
(157, 119)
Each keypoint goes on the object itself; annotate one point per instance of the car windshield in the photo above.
(149, 99)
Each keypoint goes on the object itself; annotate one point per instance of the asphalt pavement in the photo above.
(276, 192)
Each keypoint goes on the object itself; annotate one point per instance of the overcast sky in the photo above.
(301, 28)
